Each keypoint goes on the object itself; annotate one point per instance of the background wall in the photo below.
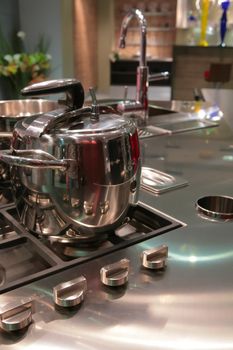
(51, 19)
(9, 23)
(43, 18)
(85, 42)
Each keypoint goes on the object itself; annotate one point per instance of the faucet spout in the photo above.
(141, 103)
(135, 13)
(139, 107)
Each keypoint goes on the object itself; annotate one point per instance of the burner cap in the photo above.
(72, 236)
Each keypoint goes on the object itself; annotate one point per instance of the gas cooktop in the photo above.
(26, 257)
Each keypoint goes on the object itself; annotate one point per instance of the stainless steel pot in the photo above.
(12, 111)
(83, 164)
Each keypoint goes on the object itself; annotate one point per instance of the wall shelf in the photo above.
(154, 29)
(161, 27)
(159, 14)
(150, 44)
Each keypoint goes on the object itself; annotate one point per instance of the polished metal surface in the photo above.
(16, 316)
(141, 102)
(72, 88)
(70, 293)
(217, 207)
(12, 111)
(20, 160)
(86, 161)
(157, 182)
(159, 76)
(155, 258)
(55, 245)
(190, 305)
(140, 106)
(17, 109)
(96, 173)
(116, 274)
(135, 13)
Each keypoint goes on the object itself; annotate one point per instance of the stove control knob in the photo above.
(155, 258)
(71, 293)
(116, 274)
(15, 317)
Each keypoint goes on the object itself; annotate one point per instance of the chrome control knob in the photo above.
(15, 317)
(155, 258)
(116, 274)
(70, 293)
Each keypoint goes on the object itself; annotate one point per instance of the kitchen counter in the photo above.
(189, 305)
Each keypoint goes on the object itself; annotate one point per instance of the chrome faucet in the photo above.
(140, 105)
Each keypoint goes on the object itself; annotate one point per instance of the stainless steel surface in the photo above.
(171, 117)
(155, 258)
(34, 256)
(70, 293)
(141, 102)
(158, 182)
(20, 161)
(217, 207)
(25, 108)
(159, 76)
(116, 274)
(135, 13)
(98, 171)
(17, 316)
(190, 306)
(86, 161)
(72, 88)
(140, 106)
(12, 111)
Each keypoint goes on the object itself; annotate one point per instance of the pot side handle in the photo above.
(26, 162)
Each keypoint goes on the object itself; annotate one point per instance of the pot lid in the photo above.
(89, 120)
(79, 121)
(83, 123)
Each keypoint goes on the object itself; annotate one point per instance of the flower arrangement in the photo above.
(18, 67)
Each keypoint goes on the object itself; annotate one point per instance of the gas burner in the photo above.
(73, 252)
(72, 236)
(38, 256)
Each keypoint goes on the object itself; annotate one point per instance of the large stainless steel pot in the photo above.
(83, 163)
(12, 111)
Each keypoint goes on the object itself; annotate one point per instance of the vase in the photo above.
(204, 20)
(223, 21)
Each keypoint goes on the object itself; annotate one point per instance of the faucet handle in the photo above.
(159, 76)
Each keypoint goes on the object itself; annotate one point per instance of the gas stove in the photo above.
(34, 256)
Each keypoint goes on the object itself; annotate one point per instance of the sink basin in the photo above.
(171, 117)
(154, 110)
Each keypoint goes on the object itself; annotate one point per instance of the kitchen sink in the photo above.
(153, 110)
(172, 117)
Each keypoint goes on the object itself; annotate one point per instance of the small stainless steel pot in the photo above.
(84, 163)
(12, 111)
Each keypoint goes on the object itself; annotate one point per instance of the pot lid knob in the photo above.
(95, 107)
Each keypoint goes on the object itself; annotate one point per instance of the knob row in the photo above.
(71, 293)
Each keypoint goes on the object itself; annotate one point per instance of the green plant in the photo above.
(20, 67)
